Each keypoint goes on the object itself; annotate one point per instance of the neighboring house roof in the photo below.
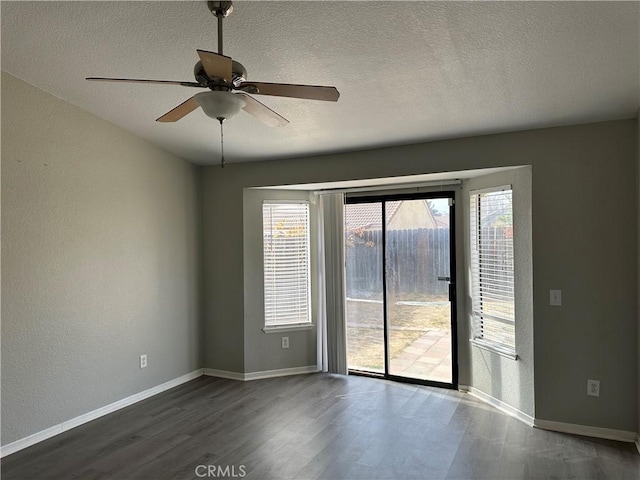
(369, 215)
(442, 221)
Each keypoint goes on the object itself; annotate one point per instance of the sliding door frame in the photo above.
(452, 285)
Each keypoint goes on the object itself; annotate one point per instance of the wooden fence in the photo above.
(415, 260)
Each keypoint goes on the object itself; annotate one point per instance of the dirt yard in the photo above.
(407, 323)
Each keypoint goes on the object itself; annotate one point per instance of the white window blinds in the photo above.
(492, 273)
(286, 263)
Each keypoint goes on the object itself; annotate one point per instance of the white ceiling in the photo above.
(407, 71)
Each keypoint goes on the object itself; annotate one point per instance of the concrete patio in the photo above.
(428, 357)
(419, 338)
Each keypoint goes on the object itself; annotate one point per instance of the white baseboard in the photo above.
(87, 417)
(587, 431)
(282, 372)
(211, 372)
(499, 404)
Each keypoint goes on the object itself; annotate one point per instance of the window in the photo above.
(492, 274)
(286, 264)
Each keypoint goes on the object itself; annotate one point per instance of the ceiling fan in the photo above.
(229, 89)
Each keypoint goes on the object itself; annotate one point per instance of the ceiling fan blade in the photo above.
(140, 80)
(180, 111)
(312, 92)
(262, 112)
(216, 65)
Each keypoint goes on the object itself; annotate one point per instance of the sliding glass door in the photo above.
(399, 264)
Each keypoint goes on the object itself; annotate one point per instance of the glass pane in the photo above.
(419, 312)
(364, 307)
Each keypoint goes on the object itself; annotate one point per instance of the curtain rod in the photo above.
(391, 186)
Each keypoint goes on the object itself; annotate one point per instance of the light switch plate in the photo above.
(555, 298)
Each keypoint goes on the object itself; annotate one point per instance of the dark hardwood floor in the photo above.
(316, 426)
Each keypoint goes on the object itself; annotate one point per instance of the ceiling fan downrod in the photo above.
(221, 10)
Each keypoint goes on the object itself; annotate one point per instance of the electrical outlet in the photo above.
(143, 361)
(555, 298)
(593, 388)
(285, 342)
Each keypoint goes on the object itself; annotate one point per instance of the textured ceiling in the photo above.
(407, 71)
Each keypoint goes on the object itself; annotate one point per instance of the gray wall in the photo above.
(266, 352)
(99, 262)
(511, 381)
(584, 216)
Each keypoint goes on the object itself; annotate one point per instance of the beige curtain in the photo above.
(332, 332)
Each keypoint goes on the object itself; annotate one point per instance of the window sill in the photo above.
(287, 328)
(491, 347)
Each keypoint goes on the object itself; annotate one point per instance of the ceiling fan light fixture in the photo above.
(217, 104)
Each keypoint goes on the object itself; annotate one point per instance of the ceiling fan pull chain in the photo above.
(221, 119)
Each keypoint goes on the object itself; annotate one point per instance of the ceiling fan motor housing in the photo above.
(238, 74)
